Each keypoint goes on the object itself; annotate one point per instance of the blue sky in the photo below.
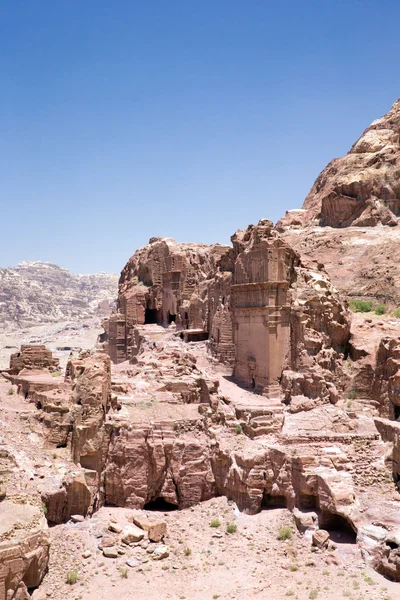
(124, 120)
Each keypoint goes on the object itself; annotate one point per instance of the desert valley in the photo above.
(224, 420)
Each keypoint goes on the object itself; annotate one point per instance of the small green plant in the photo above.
(396, 313)
(231, 528)
(123, 572)
(238, 429)
(284, 533)
(187, 551)
(11, 391)
(349, 404)
(56, 374)
(294, 567)
(215, 596)
(72, 577)
(369, 580)
(360, 305)
(215, 523)
(313, 594)
(352, 395)
(380, 309)
(44, 509)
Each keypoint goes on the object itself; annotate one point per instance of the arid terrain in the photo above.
(231, 429)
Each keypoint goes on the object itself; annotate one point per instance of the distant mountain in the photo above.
(33, 293)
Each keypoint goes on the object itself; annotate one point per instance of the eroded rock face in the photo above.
(342, 217)
(265, 312)
(24, 549)
(33, 357)
(162, 283)
(38, 292)
(386, 384)
(363, 187)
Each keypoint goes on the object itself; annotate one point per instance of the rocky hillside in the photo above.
(350, 218)
(39, 292)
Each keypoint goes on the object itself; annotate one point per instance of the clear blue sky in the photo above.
(121, 120)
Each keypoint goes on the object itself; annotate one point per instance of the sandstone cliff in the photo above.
(35, 292)
(349, 220)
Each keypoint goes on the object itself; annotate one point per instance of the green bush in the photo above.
(380, 309)
(396, 313)
(72, 577)
(56, 374)
(123, 572)
(352, 395)
(360, 305)
(11, 391)
(215, 523)
(231, 528)
(284, 533)
(238, 429)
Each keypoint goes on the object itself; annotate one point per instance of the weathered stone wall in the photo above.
(386, 383)
(32, 357)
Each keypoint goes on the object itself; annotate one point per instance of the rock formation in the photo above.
(234, 371)
(38, 292)
(349, 220)
(363, 187)
(33, 357)
(279, 322)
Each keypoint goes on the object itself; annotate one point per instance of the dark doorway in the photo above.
(253, 383)
(270, 502)
(150, 316)
(171, 318)
(307, 502)
(339, 528)
(160, 505)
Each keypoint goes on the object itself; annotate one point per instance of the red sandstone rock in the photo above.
(32, 357)
(362, 187)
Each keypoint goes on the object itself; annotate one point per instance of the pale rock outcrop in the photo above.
(34, 293)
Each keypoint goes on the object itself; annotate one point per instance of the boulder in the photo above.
(156, 528)
(110, 552)
(160, 552)
(305, 521)
(320, 538)
(131, 533)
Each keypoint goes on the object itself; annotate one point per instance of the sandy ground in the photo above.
(207, 563)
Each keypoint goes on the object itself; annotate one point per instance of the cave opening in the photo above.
(307, 502)
(160, 504)
(89, 461)
(171, 318)
(271, 502)
(396, 413)
(338, 527)
(150, 316)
